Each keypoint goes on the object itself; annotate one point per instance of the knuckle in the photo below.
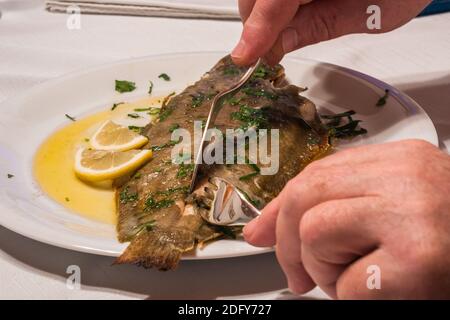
(311, 226)
(324, 25)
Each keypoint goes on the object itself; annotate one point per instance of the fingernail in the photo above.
(250, 228)
(239, 51)
(289, 40)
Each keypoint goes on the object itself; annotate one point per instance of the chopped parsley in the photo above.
(231, 71)
(133, 115)
(115, 105)
(126, 196)
(259, 92)
(67, 199)
(164, 76)
(86, 139)
(171, 143)
(125, 86)
(136, 129)
(197, 100)
(383, 100)
(185, 170)
(174, 127)
(10, 176)
(166, 112)
(261, 72)
(171, 191)
(250, 117)
(137, 175)
(147, 226)
(70, 117)
(151, 203)
(150, 88)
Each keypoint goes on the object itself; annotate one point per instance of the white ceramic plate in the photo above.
(27, 120)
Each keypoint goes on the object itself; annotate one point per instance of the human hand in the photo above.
(273, 28)
(385, 205)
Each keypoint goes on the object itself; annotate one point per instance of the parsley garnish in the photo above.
(164, 76)
(125, 86)
(136, 129)
(250, 117)
(125, 196)
(171, 143)
(70, 117)
(151, 203)
(383, 100)
(184, 170)
(174, 127)
(9, 175)
(150, 88)
(115, 105)
(133, 115)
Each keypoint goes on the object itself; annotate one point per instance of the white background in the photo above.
(36, 46)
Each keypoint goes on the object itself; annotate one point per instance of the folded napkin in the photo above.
(210, 9)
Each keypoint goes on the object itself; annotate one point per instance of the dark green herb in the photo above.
(148, 226)
(136, 129)
(151, 203)
(250, 117)
(166, 111)
(184, 170)
(231, 71)
(234, 101)
(134, 115)
(70, 118)
(174, 127)
(150, 88)
(383, 100)
(138, 175)
(9, 175)
(338, 115)
(115, 105)
(261, 72)
(171, 191)
(248, 176)
(171, 143)
(154, 111)
(197, 100)
(126, 196)
(125, 86)
(164, 76)
(259, 92)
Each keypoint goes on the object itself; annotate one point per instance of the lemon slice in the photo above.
(113, 137)
(98, 165)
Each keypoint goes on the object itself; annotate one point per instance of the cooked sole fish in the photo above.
(155, 212)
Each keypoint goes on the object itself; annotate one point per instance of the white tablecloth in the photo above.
(35, 45)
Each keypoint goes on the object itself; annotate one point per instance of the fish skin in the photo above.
(165, 229)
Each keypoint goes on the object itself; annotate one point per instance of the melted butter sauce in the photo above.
(54, 161)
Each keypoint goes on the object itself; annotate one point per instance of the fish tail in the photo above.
(161, 249)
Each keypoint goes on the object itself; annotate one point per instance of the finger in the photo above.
(261, 29)
(336, 233)
(310, 188)
(260, 232)
(319, 21)
(245, 8)
(360, 280)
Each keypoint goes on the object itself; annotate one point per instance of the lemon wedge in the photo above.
(99, 165)
(113, 137)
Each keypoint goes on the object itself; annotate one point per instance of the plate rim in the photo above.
(403, 99)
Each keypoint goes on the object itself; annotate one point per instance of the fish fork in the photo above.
(215, 109)
(230, 206)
